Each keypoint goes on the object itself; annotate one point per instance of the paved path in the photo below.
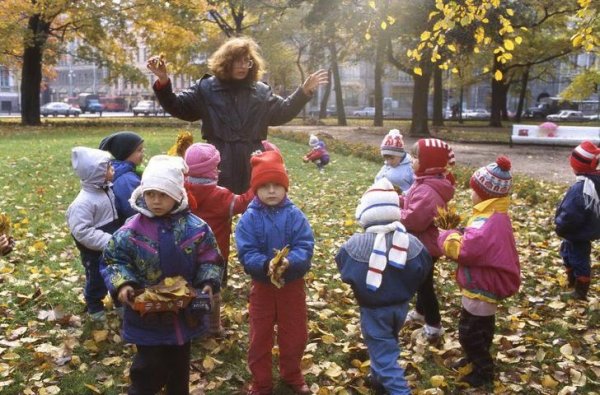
(546, 163)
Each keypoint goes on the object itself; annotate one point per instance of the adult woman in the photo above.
(236, 109)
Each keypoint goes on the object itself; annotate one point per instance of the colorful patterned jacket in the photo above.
(488, 262)
(146, 250)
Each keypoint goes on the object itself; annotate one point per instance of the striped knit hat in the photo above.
(434, 156)
(393, 144)
(493, 180)
(585, 158)
(378, 205)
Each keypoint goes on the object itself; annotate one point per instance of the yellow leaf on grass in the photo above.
(93, 388)
(567, 350)
(334, 370)
(208, 363)
(438, 381)
(100, 336)
(328, 339)
(549, 382)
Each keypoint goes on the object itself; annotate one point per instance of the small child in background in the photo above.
(92, 219)
(384, 266)
(214, 204)
(128, 150)
(577, 218)
(488, 266)
(271, 222)
(318, 153)
(163, 240)
(397, 165)
(433, 187)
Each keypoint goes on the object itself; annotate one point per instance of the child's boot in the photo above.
(582, 286)
(215, 328)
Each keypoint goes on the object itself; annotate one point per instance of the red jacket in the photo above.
(217, 206)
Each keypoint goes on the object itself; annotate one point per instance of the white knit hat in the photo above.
(379, 205)
(164, 173)
(393, 144)
(313, 140)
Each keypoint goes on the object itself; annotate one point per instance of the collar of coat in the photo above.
(491, 206)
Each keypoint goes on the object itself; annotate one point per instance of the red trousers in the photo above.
(286, 308)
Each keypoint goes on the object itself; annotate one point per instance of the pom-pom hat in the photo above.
(493, 180)
(393, 144)
(379, 205)
(121, 144)
(268, 167)
(585, 158)
(313, 141)
(203, 161)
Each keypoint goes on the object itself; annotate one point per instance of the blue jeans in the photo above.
(95, 289)
(380, 327)
(576, 255)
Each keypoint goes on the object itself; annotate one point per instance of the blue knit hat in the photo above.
(493, 180)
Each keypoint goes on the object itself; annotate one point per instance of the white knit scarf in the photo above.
(380, 257)
(590, 196)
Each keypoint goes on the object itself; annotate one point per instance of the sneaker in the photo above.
(432, 333)
(99, 316)
(461, 363)
(414, 316)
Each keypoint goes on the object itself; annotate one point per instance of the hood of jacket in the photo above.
(90, 165)
(439, 184)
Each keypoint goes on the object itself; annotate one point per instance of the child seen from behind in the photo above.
(488, 266)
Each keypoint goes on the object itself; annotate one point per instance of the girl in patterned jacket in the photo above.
(163, 240)
(432, 188)
(488, 266)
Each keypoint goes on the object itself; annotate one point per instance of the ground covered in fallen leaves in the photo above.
(544, 343)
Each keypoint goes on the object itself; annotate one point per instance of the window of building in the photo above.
(4, 80)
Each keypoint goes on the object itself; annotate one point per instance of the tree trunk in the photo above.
(504, 101)
(379, 66)
(522, 94)
(419, 125)
(337, 85)
(461, 101)
(325, 99)
(31, 72)
(496, 116)
(438, 97)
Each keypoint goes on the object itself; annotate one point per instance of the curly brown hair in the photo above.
(221, 62)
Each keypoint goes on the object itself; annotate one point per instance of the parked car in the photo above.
(330, 112)
(147, 107)
(59, 108)
(478, 113)
(94, 106)
(367, 112)
(567, 115)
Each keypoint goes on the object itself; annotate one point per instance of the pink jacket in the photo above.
(488, 262)
(419, 208)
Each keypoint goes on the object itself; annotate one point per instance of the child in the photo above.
(577, 218)
(92, 219)
(271, 222)
(128, 150)
(318, 153)
(397, 165)
(488, 266)
(433, 187)
(384, 265)
(214, 204)
(163, 240)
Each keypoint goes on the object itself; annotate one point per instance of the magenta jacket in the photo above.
(419, 208)
(488, 262)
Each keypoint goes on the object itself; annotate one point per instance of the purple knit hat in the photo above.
(203, 161)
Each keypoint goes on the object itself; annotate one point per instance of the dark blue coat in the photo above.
(573, 220)
(263, 228)
(397, 285)
(124, 182)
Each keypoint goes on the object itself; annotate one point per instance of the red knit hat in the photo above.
(585, 158)
(433, 155)
(493, 180)
(268, 167)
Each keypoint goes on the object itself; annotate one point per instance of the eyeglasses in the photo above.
(245, 63)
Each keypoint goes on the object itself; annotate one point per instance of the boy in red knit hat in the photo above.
(577, 218)
(214, 204)
(488, 267)
(271, 223)
(433, 187)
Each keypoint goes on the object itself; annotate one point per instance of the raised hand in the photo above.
(319, 77)
(158, 66)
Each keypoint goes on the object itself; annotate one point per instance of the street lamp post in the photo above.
(70, 74)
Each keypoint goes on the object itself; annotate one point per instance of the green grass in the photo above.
(44, 274)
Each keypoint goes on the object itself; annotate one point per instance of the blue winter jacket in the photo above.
(573, 220)
(262, 229)
(146, 250)
(124, 182)
(397, 286)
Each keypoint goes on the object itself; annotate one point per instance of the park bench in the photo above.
(563, 135)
